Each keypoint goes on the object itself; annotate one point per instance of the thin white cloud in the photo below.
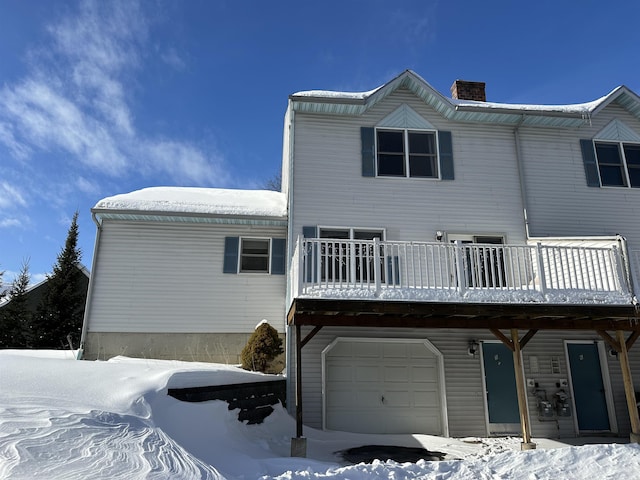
(86, 186)
(10, 222)
(173, 59)
(75, 105)
(184, 162)
(11, 196)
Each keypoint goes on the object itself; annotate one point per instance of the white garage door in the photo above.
(383, 386)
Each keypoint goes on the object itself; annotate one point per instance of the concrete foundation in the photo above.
(192, 347)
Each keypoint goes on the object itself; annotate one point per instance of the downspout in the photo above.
(87, 306)
(523, 186)
(290, 247)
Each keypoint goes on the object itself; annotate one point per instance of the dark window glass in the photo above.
(391, 153)
(325, 233)
(632, 155)
(422, 155)
(610, 165)
(254, 256)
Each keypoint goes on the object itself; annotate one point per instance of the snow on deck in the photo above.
(212, 201)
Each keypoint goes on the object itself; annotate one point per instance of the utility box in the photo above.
(545, 409)
(563, 408)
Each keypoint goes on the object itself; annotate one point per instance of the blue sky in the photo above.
(106, 97)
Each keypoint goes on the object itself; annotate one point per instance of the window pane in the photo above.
(366, 235)
(634, 176)
(632, 154)
(422, 166)
(390, 142)
(612, 176)
(391, 165)
(255, 247)
(254, 256)
(610, 165)
(391, 153)
(422, 143)
(325, 233)
(254, 264)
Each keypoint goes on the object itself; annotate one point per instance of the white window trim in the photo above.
(351, 230)
(623, 158)
(406, 132)
(255, 272)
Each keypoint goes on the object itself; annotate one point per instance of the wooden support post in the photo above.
(628, 387)
(298, 444)
(522, 393)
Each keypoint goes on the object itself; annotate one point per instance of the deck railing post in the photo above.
(542, 283)
(620, 277)
(301, 267)
(459, 267)
(376, 265)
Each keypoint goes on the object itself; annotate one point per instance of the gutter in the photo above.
(523, 186)
(87, 306)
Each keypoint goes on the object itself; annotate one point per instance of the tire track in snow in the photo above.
(57, 444)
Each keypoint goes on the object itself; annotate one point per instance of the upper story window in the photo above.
(404, 144)
(618, 164)
(406, 153)
(612, 157)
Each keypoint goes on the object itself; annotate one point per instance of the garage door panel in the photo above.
(426, 399)
(367, 373)
(397, 374)
(365, 349)
(339, 372)
(426, 374)
(387, 387)
(369, 398)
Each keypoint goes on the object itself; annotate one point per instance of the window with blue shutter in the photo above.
(398, 152)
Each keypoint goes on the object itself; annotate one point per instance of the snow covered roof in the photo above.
(191, 204)
(356, 103)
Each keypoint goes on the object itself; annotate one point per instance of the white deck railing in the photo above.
(459, 272)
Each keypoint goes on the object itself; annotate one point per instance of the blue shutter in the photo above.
(590, 163)
(311, 257)
(446, 155)
(278, 263)
(393, 270)
(231, 245)
(368, 151)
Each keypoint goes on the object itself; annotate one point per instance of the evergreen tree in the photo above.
(262, 347)
(61, 310)
(15, 317)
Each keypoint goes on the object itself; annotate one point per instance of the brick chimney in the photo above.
(464, 90)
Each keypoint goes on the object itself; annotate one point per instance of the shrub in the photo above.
(262, 347)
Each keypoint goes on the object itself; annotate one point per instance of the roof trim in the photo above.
(357, 103)
(185, 217)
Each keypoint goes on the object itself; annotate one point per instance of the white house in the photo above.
(460, 267)
(185, 273)
(447, 266)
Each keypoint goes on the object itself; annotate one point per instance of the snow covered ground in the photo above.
(67, 419)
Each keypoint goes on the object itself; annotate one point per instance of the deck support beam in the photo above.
(628, 387)
(522, 393)
(299, 443)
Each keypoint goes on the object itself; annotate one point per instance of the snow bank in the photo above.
(64, 419)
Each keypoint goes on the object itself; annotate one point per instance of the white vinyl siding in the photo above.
(463, 375)
(485, 190)
(560, 203)
(161, 277)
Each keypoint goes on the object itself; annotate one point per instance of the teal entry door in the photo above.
(500, 381)
(588, 387)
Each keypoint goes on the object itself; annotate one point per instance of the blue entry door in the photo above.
(500, 381)
(588, 386)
